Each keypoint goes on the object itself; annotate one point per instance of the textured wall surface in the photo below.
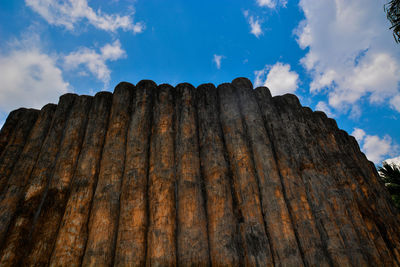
(166, 176)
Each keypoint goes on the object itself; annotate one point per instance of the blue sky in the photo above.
(337, 56)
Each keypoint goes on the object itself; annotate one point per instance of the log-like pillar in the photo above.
(103, 224)
(335, 187)
(23, 168)
(311, 178)
(365, 197)
(161, 237)
(304, 220)
(276, 214)
(49, 217)
(16, 144)
(18, 234)
(72, 235)
(389, 215)
(9, 126)
(133, 221)
(192, 238)
(255, 241)
(223, 229)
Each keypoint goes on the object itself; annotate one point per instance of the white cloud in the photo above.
(271, 3)
(323, 106)
(351, 52)
(278, 78)
(95, 62)
(355, 112)
(374, 147)
(359, 134)
(29, 77)
(255, 26)
(393, 161)
(395, 102)
(68, 13)
(217, 60)
(112, 51)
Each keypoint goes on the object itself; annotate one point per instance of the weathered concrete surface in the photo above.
(284, 142)
(192, 239)
(23, 168)
(162, 176)
(47, 221)
(8, 128)
(104, 215)
(256, 246)
(19, 232)
(133, 218)
(72, 235)
(14, 147)
(161, 233)
(274, 207)
(223, 229)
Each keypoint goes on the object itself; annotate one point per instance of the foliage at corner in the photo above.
(392, 10)
(390, 174)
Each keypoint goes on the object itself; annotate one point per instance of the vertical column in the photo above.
(8, 127)
(276, 215)
(389, 217)
(15, 245)
(388, 221)
(284, 144)
(192, 239)
(365, 198)
(255, 241)
(161, 238)
(314, 183)
(132, 230)
(320, 183)
(103, 224)
(15, 145)
(337, 191)
(49, 217)
(223, 228)
(72, 235)
(23, 168)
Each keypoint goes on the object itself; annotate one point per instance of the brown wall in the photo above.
(165, 176)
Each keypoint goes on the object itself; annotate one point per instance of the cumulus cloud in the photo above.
(217, 60)
(374, 147)
(323, 106)
(395, 102)
(278, 78)
(351, 53)
(272, 3)
(393, 161)
(355, 112)
(29, 77)
(255, 26)
(94, 61)
(68, 13)
(358, 134)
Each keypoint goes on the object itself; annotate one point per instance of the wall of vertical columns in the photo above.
(156, 175)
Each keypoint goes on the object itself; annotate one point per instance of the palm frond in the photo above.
(390, 173)
(392, 10)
